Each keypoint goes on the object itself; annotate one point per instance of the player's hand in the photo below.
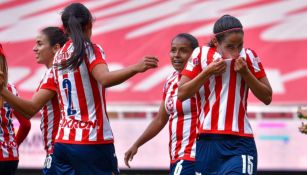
(148, 62)
(240, 66)
(302, 112)
(129, 155)
(303, 128)
(217, 67)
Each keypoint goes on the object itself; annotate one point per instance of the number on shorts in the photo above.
(247, 164)
(178, 168)
(67, 86)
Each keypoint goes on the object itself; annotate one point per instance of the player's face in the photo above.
(231, 46)
(44, 53)
(180, 52)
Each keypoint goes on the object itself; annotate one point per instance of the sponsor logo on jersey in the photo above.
(73, 123)
(9, 144)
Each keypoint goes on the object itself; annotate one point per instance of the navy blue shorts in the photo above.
(8, 167)
(182, 167)
(225, 154)
(77, 159)
(49, 165)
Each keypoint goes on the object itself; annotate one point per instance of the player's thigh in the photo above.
(61, 156)
(240, 164)
(183, 167)
(207, 157)
(95, 159)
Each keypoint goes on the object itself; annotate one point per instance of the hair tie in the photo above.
(229, 30)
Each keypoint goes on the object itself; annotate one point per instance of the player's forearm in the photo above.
(188, 89)
(24, 107)
(259, 89)
(24, 129)
(151, 131)
(113, 78)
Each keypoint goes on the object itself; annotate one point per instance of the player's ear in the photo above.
(55, 48)
(214, 41)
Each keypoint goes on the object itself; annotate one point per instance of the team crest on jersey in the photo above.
(195, 61)
(170, 105)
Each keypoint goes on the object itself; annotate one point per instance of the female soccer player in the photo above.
(84, 142)
(48, 42)
(182, 116)
(9, 144)
(225, 140)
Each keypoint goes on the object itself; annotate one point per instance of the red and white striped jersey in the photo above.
(223, 98)
(8, 144)
(84, 118)
(182, 121)
(50, 119)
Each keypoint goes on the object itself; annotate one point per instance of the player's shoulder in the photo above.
(250, 52)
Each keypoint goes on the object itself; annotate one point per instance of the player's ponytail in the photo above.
(76, 18)
(223, 26)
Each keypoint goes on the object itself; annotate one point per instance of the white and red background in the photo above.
(129, 30)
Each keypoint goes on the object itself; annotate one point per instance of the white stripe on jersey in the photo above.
(224, 96)
(232, 93)
(235, 125)
(254, 60)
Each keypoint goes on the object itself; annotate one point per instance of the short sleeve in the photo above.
(48, 81)
(97, 56)
(193, 66)
(254, 64)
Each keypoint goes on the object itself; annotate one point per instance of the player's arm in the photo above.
(188, 87)
(28, 108)
(261, 88)
(24, 128)
(111, 78)
(151, 131)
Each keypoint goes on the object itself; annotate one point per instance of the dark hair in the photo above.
(193, 41)
(222, 25)
(3, 65)
(75, 18)
(55, 35)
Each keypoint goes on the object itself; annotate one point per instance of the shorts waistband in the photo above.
(219, 137)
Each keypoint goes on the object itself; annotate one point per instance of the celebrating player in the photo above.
(225, 142)
(182, 116)
(48, 42)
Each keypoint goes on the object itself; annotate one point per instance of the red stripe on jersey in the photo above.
(231, 97)
(56, 121)
(45, 125)
(198, 102)
(61, 128)
(81, 100)
(242, 108)
(179, 128)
